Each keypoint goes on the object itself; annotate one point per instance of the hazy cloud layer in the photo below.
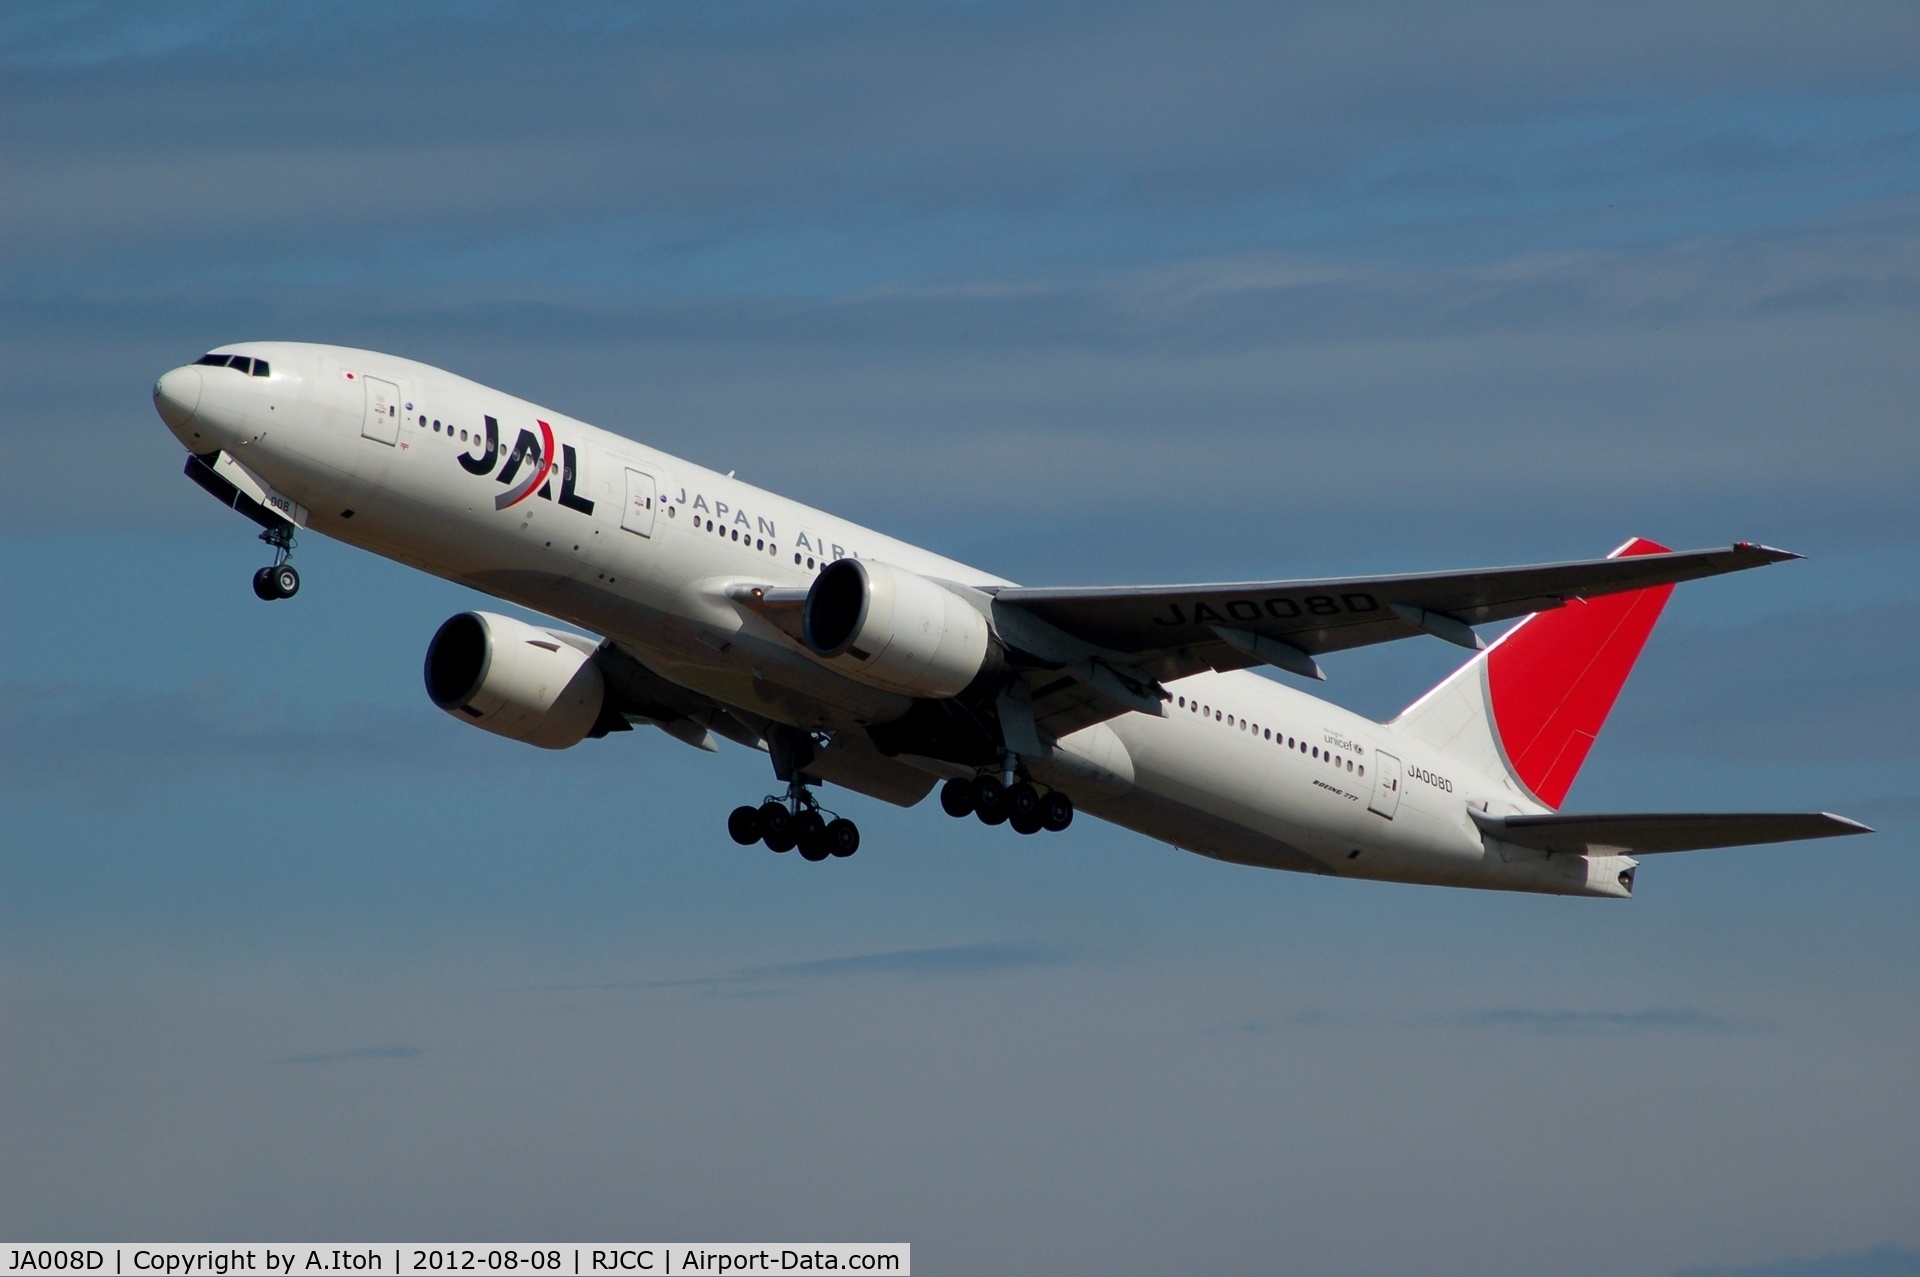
(1804, 685)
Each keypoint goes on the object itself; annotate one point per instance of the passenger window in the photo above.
(1316, 751)
(1363, 769)
(260, 368)
(1269, 733)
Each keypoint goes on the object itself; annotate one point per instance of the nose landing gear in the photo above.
(279, 581)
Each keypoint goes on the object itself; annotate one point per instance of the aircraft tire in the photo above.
(1023, 800)
(956, 798)
(263, 585)
(286, 581)
(810, 832)
(776, 827)
(743, 825)
(843, 837)
(989, 799)
(1056, 811)
(1025, 822)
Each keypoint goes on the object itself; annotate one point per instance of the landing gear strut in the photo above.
(279, 581)
(1019, 804)
(795, 821)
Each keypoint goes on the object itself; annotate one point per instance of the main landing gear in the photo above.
(279, 581)
(795, 821)
(995, 802)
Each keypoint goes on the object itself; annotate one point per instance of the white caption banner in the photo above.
(449, 1259)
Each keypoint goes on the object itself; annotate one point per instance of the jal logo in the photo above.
(534, 455)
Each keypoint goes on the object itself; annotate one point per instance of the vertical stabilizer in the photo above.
(1530, 706)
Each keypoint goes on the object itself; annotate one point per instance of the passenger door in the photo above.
(637, 515)
(383, 411)
(1386, 785)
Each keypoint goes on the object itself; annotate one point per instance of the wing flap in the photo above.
(1651, 834)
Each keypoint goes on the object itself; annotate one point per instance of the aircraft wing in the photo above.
(1335, 613)
(1643, 835)
(1105, 649)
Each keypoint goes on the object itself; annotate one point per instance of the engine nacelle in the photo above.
(892, 629)
(514, 679)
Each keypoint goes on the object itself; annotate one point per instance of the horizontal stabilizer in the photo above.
(1644, 835)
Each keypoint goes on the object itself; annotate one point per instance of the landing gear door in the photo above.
(383, 411)
(1386, 785)
(637, 515)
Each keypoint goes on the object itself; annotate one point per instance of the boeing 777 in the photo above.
(720, 610)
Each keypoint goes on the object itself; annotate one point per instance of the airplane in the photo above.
(719, 610)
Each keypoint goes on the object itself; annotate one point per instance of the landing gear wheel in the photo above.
(1023, 803)
(956, 798)
(279, 581)
(743, 825)
(776, 827)
(1056, 811)
(1025, 822)
(811, 833)
(842, 837)
(989, 800)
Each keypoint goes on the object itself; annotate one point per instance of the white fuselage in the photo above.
(1240, 768)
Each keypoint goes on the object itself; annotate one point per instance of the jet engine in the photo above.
(892, 629)
(515, 680)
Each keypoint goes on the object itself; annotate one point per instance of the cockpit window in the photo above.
(243, 364)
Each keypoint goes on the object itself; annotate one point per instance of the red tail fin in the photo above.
(1553, 679)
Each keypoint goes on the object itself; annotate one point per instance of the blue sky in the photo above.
(1077, 293)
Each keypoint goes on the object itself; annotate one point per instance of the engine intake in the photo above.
(893, 629)
(515, 680)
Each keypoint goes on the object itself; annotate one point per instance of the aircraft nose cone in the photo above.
(176, 395)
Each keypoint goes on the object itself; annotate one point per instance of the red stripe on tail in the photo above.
(1554, 679)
